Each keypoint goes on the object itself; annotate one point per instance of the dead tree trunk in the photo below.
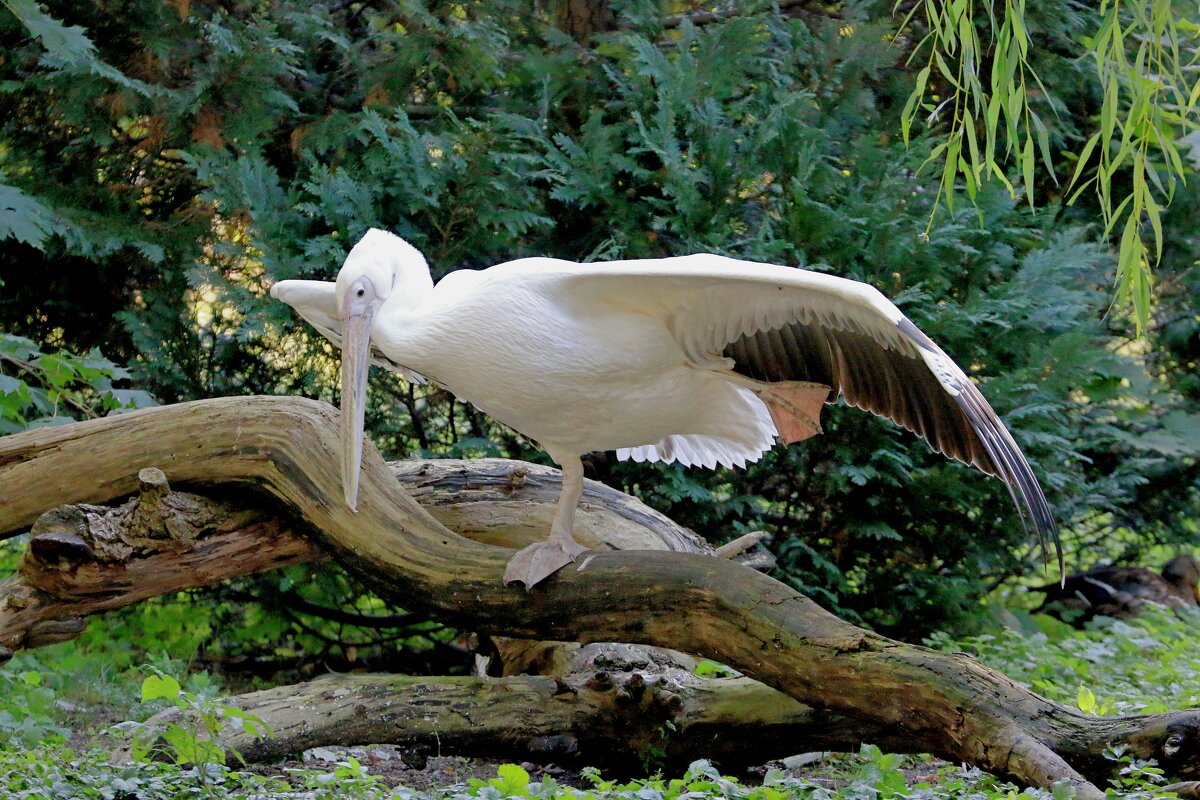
(618, 722)
(946, 704)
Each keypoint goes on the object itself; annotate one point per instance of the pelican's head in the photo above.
(379, 263)
(368, 274)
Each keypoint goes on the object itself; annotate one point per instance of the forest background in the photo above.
(162, 163)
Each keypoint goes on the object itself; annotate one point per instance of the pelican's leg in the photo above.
(540, 560)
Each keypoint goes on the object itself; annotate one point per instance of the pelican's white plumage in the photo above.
(699, 359)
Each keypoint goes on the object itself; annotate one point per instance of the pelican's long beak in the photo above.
(356, 345)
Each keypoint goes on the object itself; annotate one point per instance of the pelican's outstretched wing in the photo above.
(317, 303)
(774, 323)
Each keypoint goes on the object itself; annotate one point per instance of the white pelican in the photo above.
(699, 359)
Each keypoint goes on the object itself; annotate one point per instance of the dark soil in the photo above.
(388, 762)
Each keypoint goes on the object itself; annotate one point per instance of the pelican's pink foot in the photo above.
(533, 564)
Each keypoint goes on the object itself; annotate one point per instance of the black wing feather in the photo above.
(891, 383)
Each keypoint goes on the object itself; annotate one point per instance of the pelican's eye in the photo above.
(361, 291)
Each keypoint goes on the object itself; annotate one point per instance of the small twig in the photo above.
(298, 603)
(337, 641)
(740, 544)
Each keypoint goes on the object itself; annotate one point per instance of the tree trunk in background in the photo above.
(945, 704)
(582, 19)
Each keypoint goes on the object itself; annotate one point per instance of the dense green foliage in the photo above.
(1139, 667)
(160, 182)
(53, 388)
(1113, 668)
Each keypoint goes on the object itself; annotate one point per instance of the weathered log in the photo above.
(947, 704)
(618, 722)
(511, 504)
(85, 559)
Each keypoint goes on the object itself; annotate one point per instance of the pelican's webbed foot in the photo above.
(533, 564)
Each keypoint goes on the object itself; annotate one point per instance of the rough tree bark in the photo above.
(85, 559)
(946, 704)
(605, 713)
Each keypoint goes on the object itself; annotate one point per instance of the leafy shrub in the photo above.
(51, 388)
(197, 739)
(54, 773)
(27, 714)
(1114, 667)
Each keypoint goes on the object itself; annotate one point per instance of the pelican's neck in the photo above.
(400, 328)
(412, 282)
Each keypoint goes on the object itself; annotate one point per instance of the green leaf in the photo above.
(972, 146)
(513, 781)
(1152, 213)
(1020, 35)
(945, 69)
(914, 99)
(1027, 162)
(707, 668)
(159, 686)
(1082, 161)
(66, 44)
(1194, 95)
(24, 218)
(188, 748)
(1043, 138)
(993, 118)
(1085, 700)
(1108, 110)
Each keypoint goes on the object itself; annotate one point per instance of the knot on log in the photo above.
(600, 682)
(516, 477)
(152, 485)
(668, 701)
(53, 631)
(58, 550)
(58, 539)
(155, 520)
(1172, 739)
(650, 695)
(740, 545)
(745, 551)
(161, 515)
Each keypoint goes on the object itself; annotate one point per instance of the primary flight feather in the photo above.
(699, 359)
